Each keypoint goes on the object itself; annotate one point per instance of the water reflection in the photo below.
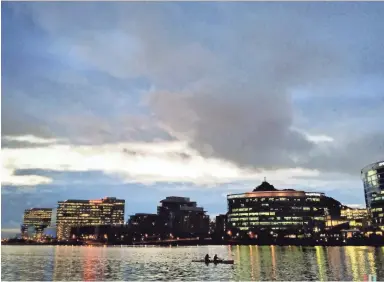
(253, 263)
(88, 273)
(320, 258)
(273, 262)
(308, 263)
(334, 259)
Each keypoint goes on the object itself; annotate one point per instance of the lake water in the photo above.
(174, 263)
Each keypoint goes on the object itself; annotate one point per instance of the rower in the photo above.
(215, 258)
(206, 258)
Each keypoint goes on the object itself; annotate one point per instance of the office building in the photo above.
(147, 224)
(373, 179)
(183, 217)
(354, 214)
(269, 210)
(350, 217)
(35, 221)
(339, 222)
(377, 209)
(76, 213)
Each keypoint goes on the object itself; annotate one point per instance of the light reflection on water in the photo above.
(252, 263)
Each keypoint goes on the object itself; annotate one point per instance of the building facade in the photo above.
(268, 209)
(183, 217)
(76, 213)
(117, 233)
(350, 217)
(221, 224)
(373, 180)
(147, 225)
(35, 221)
(377, 209)
(354, 214)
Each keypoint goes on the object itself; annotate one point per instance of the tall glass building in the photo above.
(377, 209)
(373, 179)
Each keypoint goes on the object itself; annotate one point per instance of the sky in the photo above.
(146, 100)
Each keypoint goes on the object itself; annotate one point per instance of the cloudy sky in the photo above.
(147, 100)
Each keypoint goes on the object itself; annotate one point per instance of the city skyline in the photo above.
(266, 213)
(348, 211)
(143, 101)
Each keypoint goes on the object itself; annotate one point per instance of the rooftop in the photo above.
(376, 165)
(39, 209)
(175, 199)
(106, 199)
(144, 214)
(265, 189)
(265, 186)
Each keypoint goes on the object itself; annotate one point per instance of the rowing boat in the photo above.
(219, 261)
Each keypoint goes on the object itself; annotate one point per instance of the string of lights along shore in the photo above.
(266, 213)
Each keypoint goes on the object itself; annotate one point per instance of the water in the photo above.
(174, 263)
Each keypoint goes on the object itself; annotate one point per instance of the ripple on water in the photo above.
(47, 263)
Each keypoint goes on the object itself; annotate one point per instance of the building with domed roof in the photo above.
(267, 209)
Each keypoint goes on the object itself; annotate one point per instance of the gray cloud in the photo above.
(350, 155)
(15, 121)
(17, 144)
(251, 130)
(227, 82)
(95, 130)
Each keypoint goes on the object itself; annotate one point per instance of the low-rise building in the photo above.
(117, 233)
(354, 214)
(147, 224)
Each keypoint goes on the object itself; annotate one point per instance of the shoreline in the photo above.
(192, 244)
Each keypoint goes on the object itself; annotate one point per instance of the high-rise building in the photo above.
(377, 209)
(35, 221)
(269, 210)
(373, 179)
(75, 213)
(183, 217)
